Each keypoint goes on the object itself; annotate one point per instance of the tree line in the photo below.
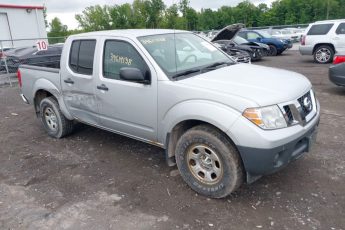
(155, 14)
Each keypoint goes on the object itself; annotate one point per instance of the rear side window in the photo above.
(321, 29)
(81, 56)
(341, 29)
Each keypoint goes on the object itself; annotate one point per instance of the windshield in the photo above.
(181, 52)
(264, 34)
(239, 40)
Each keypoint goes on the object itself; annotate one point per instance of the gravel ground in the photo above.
(94, 179)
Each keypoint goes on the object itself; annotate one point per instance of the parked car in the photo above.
(30, 55)
(323, 39)
(221, 122)
(337, 70)
(285, 34)
(228, 40)
(297, 31)
(277, 46)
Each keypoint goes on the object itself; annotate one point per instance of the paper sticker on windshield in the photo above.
(152, 40)
(120, 59)
(209, 46)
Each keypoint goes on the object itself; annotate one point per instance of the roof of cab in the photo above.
(329, 21)
(130, 32)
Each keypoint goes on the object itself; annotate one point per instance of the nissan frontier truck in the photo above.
(222, 123)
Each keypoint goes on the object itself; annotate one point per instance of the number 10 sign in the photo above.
(41, 45)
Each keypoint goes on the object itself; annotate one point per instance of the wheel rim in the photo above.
(323, 55)
(50, 119)
(272, 51)
(204, 164)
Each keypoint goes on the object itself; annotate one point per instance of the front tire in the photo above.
(273, 50)
(53, 120)
(208, 162)
(323, 54)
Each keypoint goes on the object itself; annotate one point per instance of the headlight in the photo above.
(269, 117)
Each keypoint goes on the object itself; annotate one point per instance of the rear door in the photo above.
(78, 81)
(126, 107)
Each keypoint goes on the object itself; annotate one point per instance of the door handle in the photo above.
(102, 87)
(69, 81)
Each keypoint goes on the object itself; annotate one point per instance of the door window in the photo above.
(81, 56)
(119, 54)
(252, 35)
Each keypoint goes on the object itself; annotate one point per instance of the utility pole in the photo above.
(327, 16)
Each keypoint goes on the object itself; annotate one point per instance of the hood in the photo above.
(228, 32)
(261, 85)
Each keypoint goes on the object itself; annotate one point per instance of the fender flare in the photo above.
(43, 84)
(214, 113)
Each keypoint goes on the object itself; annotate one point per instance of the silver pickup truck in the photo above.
(221, 122)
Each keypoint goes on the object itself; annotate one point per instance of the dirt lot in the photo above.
(98, 180)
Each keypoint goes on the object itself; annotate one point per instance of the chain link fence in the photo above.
(24, 51)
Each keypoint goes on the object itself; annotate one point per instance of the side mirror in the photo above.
(133, 74)
(258, 38)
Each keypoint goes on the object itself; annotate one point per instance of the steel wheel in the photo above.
(50, 119)
(208, 162)
(204, 164)
(323, 55)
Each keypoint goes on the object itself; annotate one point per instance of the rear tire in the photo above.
(208, 162)
(324, 54)
(273, 50)
(53, 120)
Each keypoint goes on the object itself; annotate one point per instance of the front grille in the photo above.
(300, 111)
(304, 103)
(288, 115)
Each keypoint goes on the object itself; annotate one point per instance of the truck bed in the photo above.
(33, 77)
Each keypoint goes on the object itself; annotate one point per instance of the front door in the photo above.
(78, 82)
(127, 107)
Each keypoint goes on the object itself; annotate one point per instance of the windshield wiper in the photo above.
(214, 65)
(184, 73)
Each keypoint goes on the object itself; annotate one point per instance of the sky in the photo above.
(65, 10)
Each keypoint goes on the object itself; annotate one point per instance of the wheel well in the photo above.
(176, 133)
(323, 44)
(39, 96)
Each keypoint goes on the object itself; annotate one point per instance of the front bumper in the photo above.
(265, 152)
(259, 162)
(289, 45)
